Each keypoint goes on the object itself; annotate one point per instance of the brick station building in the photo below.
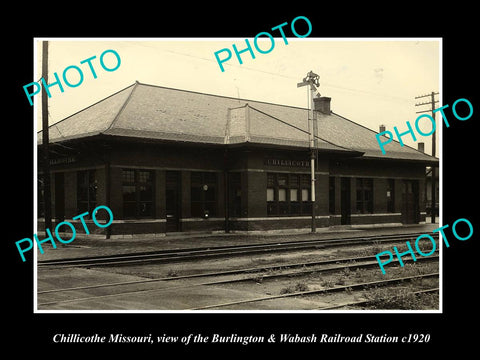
(167, 160)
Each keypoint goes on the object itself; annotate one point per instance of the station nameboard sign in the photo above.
(285, 162)
(65, 160)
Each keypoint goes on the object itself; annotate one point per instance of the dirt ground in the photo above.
(185, 294)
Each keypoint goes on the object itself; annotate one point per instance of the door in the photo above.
(410, 209)
(345, 202)
(172, 200)
(59, 197)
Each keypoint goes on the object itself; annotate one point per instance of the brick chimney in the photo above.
(421, 147)
(322, 104)
(382, 128)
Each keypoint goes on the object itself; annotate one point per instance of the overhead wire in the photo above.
(243, 67)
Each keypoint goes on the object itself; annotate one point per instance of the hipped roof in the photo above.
(159, 113)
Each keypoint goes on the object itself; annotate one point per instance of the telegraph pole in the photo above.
(47, 198)
(432, 103)
(312, 80)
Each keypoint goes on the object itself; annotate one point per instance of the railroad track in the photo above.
(262, 273)
(367, 302)
(218, 251)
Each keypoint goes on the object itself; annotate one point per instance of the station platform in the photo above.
(88, 246)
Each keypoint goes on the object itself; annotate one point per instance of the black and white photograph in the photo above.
(224, 194)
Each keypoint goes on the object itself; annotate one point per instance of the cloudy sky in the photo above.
(370, 81)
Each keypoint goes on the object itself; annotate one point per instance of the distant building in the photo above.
(168, 160)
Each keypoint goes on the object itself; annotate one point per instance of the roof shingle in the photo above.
(154, 112)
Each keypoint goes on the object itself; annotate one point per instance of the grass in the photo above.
(391, 298)
(172, 273)
(258, 279)
(328, 283)
(403, 299)
(301, 286)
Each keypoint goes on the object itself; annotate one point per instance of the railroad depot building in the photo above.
(167, 160)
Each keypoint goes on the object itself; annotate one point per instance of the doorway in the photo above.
(345, 201)
(410, 209)
(172, 201)
(59, 180)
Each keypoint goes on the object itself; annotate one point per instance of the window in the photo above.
(271, 203)
(305, 183)
(203, 194)
(294, 190)
(137, 191)
(86, 191)
(294, 195)
(288, 194)
(282, 184)
(270, 194)
(390, 195)
(364, 196)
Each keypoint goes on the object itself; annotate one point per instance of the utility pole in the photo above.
(312, 80)
(432, 103)
(47, 198)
